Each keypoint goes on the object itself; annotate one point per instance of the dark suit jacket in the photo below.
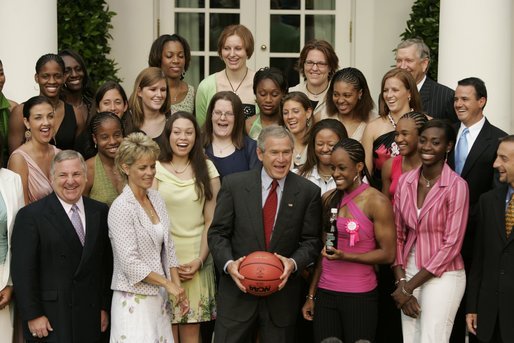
(480, 175)
(491, 281)
(437, 100)
(237, 230)
(54, 276)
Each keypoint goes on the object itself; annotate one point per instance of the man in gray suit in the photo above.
(413, 55)
(239, 228)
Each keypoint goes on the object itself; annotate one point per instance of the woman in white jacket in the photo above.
(11, 200)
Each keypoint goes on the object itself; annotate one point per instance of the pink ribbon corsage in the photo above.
(352, 227)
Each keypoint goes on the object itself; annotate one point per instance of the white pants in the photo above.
(439, 299)
(6, 318)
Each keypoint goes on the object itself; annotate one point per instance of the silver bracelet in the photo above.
(401, 279)
(405, 292)
(201, 262)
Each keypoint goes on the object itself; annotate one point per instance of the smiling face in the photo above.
(2, 77)
(345, 97)
(153, 96)
(173, 59)
(467, 107)
(108, 137)
(223, 118)
(316, 68)
(504, 162)
(276, 157)
(408, 59)
(406, 136)
(69, 180)
(41, 122)
(141, 173)
(295, 116)
(268, 96)
(182, 137)
(233, 53)
(323, 143)
(396, 96)
(74, 73)
(433, 146)
(112, 101)
(345, 171)
(50, 79)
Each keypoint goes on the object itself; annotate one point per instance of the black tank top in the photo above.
(65, 136)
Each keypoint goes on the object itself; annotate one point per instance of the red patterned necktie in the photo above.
(268, 212)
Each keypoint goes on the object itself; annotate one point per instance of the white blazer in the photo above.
(12, 193)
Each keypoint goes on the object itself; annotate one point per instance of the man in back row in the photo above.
(413, 55)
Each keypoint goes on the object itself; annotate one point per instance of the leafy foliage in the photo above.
(83, 25)
(424, 24)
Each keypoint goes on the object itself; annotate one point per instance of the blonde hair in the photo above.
(133, 147)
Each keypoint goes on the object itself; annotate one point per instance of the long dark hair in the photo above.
(333, 125)
(238, 131)
(196, 155)
(94, 124)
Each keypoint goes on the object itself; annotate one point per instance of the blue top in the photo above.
(3, 231)
(240, 160)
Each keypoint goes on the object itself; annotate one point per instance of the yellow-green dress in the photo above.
(187, 225)
(102, 190)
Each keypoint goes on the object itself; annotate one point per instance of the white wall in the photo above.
(28, 30)
(378, 25)
(134, 29)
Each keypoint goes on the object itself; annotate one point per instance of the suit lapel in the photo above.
(286, 210)
(424, 93)
(62, 224)
(480, 145)
(254, 209)
(92, 229)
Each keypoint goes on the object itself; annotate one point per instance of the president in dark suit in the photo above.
(62, 260)
(241, 225)
(472, 158)
(490, 293)
(413, 55)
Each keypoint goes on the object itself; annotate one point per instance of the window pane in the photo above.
(224, 3)
(284, 36)
(191, 27)
(320, 27)
(215, 64)
(285, 4)
(196, 70)
(190, 3)
(218, 22)
(287, 65)
(320, 4)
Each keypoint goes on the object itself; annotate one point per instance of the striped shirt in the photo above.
(438, 231)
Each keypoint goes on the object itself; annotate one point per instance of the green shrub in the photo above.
(83, 25)
(424, 24)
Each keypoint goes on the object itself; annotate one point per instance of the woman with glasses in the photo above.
(224, 138)
(317, 63)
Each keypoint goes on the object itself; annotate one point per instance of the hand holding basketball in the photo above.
(289, 267)
(263, 273)
(233, 270)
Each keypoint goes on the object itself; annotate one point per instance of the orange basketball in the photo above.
(262, 272)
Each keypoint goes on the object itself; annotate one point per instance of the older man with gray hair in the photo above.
(62, 260)
(413, 55)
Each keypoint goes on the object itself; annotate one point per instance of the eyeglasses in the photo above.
(218, 114)
(320, 65)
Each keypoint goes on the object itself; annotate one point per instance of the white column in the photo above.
(28, 30)
(475, 39)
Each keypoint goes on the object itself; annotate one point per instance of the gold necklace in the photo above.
(179, 171)
(240, 83)
(427, 181)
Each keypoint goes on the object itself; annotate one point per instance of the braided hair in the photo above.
(94, 124)
(419, 119)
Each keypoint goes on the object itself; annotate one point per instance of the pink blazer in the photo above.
(439, 230)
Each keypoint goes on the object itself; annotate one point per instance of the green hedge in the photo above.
(83, 25)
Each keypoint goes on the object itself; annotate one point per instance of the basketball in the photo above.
(262, 271)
